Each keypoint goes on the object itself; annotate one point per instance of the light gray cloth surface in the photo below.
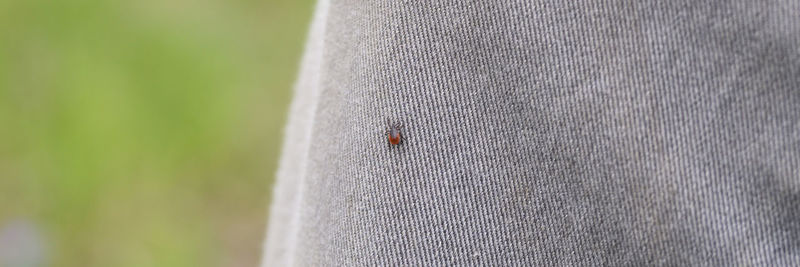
(544, 133)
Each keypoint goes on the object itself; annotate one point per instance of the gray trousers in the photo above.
(543, 133)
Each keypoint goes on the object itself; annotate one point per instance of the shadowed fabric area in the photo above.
(544, 133)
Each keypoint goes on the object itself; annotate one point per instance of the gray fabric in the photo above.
(544, 133)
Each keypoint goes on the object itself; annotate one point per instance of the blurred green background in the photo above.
(142, 133)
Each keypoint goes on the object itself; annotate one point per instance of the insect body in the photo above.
(393, 133)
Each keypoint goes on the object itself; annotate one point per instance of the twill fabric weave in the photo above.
(543, 133)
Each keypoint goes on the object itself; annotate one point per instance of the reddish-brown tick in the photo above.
(394, 134)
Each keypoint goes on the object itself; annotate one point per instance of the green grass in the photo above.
(145, 133)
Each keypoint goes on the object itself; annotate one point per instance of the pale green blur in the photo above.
(145, 132)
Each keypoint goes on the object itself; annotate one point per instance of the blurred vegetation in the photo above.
(147, 132)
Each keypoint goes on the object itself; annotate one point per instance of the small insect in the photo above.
(394, 133)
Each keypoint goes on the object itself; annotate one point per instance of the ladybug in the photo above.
(394, 134)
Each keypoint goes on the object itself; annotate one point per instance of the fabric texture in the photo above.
(544, 133)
